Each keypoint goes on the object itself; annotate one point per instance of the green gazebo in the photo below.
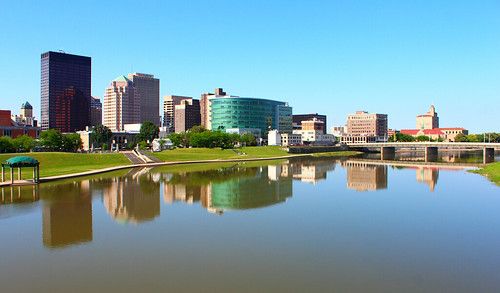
(20, 162)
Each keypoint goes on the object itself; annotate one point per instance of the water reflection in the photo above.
(233, 188)
(363, 176)
(428, 175)
(67, 214)
(133, 198)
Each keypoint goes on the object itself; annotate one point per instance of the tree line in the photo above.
(51, 140)
(487, 137)
(199, 136)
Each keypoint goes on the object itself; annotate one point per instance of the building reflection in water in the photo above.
(133, 198)
(428, 175)
(240, 187)
(363, 176)
(234, 188)
(67, 219)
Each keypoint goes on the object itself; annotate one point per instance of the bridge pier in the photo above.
(431, 154)
(387, 153)
(488, 155)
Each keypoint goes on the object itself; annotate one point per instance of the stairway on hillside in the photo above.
(151, 158)
(133, 158)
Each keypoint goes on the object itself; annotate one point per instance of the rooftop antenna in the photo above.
(62, 51)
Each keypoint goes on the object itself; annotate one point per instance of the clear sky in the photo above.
(330, 57)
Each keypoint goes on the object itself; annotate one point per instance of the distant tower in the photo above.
(429, 120)
(26, 110)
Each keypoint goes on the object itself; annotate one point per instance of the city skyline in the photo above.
(395, 58)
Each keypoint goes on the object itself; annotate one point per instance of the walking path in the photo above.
(153, 164)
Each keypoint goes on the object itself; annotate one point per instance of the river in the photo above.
(301, 225)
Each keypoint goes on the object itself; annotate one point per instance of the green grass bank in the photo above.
(491, 171)
(57, 163)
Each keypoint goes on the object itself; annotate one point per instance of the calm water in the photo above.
(350, 225)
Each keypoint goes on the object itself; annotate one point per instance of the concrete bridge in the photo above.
(388, 149)
(398, 163)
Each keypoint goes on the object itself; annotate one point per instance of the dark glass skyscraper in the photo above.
(65, 91)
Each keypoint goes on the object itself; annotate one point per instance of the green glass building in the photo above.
(250, 113)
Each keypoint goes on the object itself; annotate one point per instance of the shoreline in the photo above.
(158, 164)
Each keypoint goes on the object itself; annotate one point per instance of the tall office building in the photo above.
(122, 103)
(187, 115)
(65, 91)
(95, 111)
(169, 103)
(149, 89)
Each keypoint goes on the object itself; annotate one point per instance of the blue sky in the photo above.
(330, 57)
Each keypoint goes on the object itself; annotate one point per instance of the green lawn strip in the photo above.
(264, 152)
(491, 171)
(58, 163)
(195, 154)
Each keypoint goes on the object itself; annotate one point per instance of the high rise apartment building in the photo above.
(95, 111)
(122, 103)
(65, 91)
(365, 124)
(187, 115)
(149, 89)
(169, 103)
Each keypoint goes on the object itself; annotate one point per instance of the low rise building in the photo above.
(297, 120)
(12, 129)
(284, 139)
(446, 134)
(119, 139)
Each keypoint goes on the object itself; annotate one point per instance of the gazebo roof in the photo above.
(21, 161)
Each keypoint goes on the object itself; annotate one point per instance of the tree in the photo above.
(148, 132)
(461, 138)
(402, 137)
(269, 123)
(6, 145)
(101, 135)
(51, 139)
(423, 138)
(197, 129)
(72, 142)
(248, 140)
(175, 138)
(24, 143)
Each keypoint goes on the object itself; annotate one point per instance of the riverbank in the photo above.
(57, 166)
(60, 163)
(491, 171)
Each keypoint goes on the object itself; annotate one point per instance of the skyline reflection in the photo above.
(136, 196)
